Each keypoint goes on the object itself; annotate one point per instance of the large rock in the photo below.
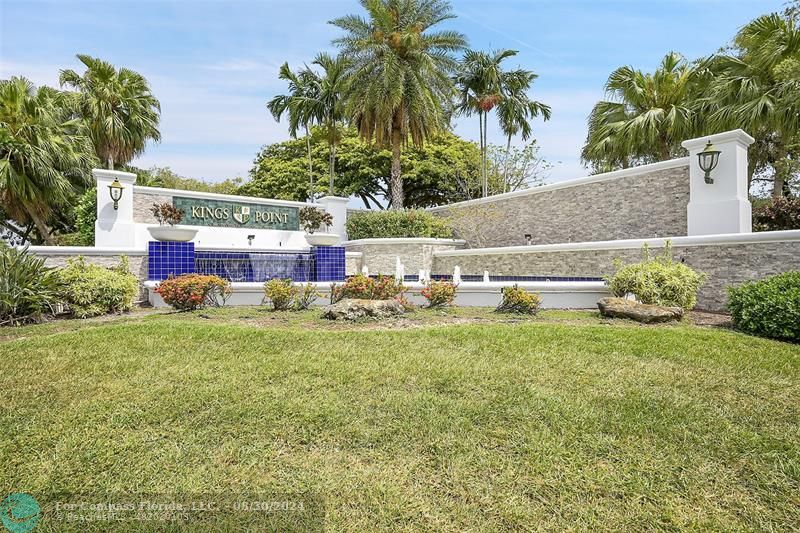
(649, 314)
(351, 309)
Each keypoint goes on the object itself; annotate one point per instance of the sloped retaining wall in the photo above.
(635, 203)
(726, 259)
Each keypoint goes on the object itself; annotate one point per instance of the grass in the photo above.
(447, 420)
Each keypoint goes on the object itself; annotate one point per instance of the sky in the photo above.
(213, 63)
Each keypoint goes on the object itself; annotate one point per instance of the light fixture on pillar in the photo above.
(115, 189)
(708, 160)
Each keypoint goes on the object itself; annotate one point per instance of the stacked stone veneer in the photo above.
(725, 264)
(622, 205)
(380, 255)
(143, 201)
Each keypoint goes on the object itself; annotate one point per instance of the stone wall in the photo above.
(725, 264)
(352, 263)
(380, 255)
(143, 201)
(636, 203)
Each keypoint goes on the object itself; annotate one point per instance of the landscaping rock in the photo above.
(351, 309)
(648, 314)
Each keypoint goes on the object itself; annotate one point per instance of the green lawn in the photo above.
(456, 420)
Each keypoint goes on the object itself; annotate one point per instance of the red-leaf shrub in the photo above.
(194, 291)
(439, 293)
(364, 288)
(777, 214)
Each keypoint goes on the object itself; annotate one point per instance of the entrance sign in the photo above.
(227, 214)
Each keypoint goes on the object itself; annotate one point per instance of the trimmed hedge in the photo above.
(769, 307)
(397, 223)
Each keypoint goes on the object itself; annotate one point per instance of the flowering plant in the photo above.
(365, 288)
(194, 291)
(439, 293)
(518, 300)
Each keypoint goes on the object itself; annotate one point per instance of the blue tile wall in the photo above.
(328, 263)
(324, 263)
(167, 259)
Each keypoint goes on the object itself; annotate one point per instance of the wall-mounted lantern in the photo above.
(708, 160)
(115, 190)
(528, 238)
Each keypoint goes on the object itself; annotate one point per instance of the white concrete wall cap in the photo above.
(124, 177)
(334, 199)
(719, 138)
(700, 240)
(83, 250)
(596, 178)
(217, 196)
(353, 254)
(404, 240)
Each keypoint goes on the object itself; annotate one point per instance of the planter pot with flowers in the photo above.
(312, 219)
(169, 217)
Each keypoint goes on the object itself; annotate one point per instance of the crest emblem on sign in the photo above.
(241, 214)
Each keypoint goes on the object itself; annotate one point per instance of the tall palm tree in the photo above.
(646, 116)
(757, 89)
(481, 83)
(300, 105)
(400, 74)
(121, 112)
(516, 110)
(315, 98)
(332, 86)
(43, 152)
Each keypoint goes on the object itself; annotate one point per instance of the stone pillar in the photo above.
(114, 228)
(722, 206)
(337, 207)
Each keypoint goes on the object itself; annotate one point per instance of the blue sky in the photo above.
(213, 64)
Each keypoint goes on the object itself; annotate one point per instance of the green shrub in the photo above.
(188, 292)
(92, 290)
(28, 289)
(85, 217)
(362, 287)
(518, 300)
(305, 296)
(659, 280)
(769, 307)
(397, 223)
(280, 293)
(439, 293)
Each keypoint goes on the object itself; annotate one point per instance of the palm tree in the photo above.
(43, 152)
(646, 116)
(317, 99)
(300, 105)
(400, 74)
(121, 112)
(332, 87)
(516, 110)
(482, 82)
(758, 88)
